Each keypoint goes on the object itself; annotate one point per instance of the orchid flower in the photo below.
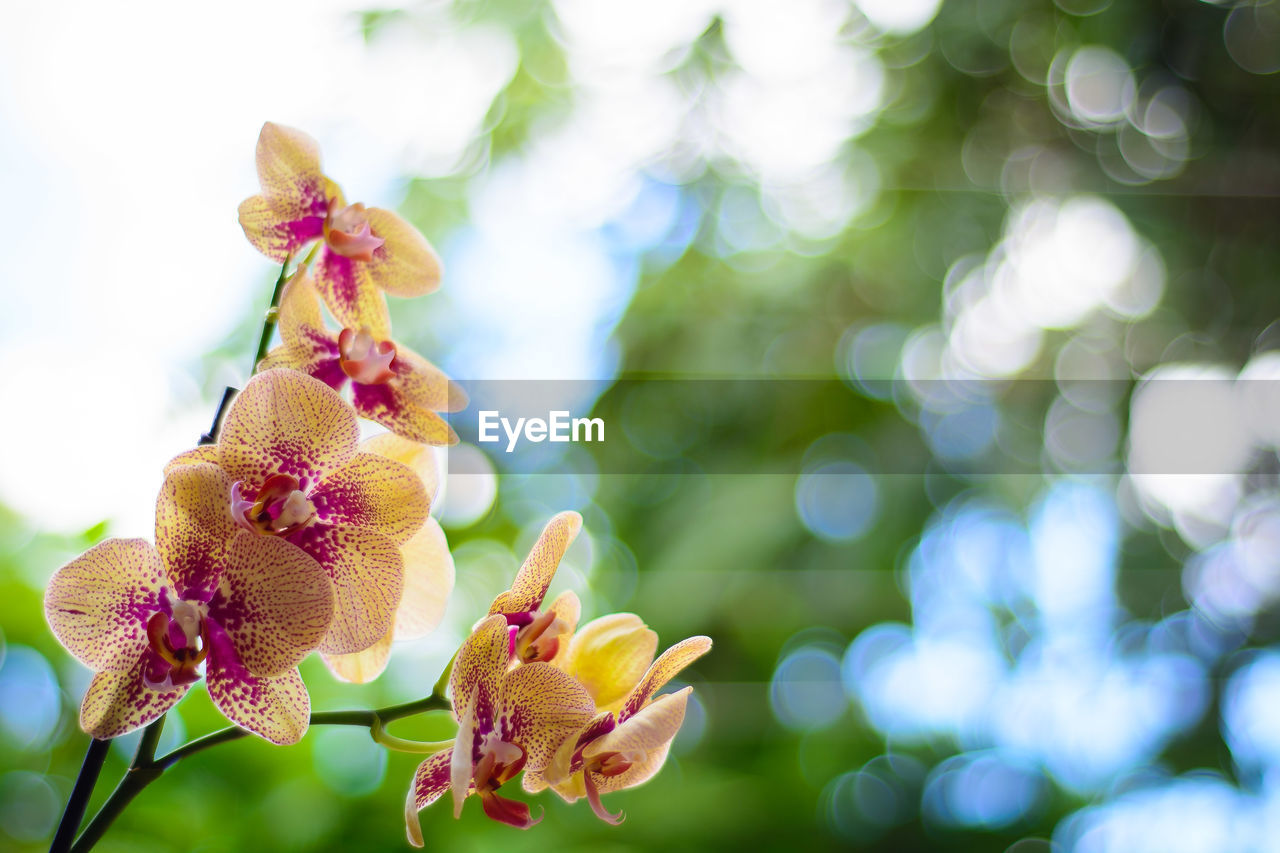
(428, 570)
(541, 632)
(363, 250)
(288, 465)
(391, 384)
(508, 720)
(623, 749)
(146, 618)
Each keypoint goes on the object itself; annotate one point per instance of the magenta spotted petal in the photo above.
(287, 423)
(375, 493)
(274, 604)
(294, 204)
(99, 603)
(367, 572)
(117, 703)
(194, 527)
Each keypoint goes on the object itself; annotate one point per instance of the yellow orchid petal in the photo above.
(194, 526)
(387, 405)
(277, 708)
(646, 737)
(203, 453)
(609, 656)
(119, 701)
(420, 458)
(361, 667)
(99, 603)
(541, 707)
(285, 422)
(278, 228)
(665, 668)
(300, 314)
(374, 493)
(423, 384)
(368, 579)
(479, 666)
(288, 161)
(274, 603)
(430, 781)
(535, 575)
(405, 265)
(295, 195)
(349, 293)
(428, 581)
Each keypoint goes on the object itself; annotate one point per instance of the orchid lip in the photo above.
(280, 508)
(364, 360)
(348, 233)
(181, 642)
(540, 639)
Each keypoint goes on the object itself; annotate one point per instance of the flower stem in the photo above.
(211, 437)
(146, 768)
(399, 744)
(272, 316)
(85, 782)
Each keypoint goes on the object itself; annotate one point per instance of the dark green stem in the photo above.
(271, 318)
(80, 794)
(146, 768)
(211, 437)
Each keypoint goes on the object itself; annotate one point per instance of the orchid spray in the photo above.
(282, 533)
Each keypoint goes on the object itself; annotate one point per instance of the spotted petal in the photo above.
(421, 459)
(355, 302)
(647, 735)
(429, 784)
(530, 585)
(276, 708)
(665, 668)
(405, 265)
(364, 666)
(203, 453)
(274, 602)
(194, 526)
(609, 656)
(99, 603)
(541, 707)
(119, 701)
(561, 771)
(367, 572)
(387, 404)
(479, 666)
(294, 202)
(375, 493)
(287, 423)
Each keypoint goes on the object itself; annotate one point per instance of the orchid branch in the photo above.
(145, 770)
(272, 316)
